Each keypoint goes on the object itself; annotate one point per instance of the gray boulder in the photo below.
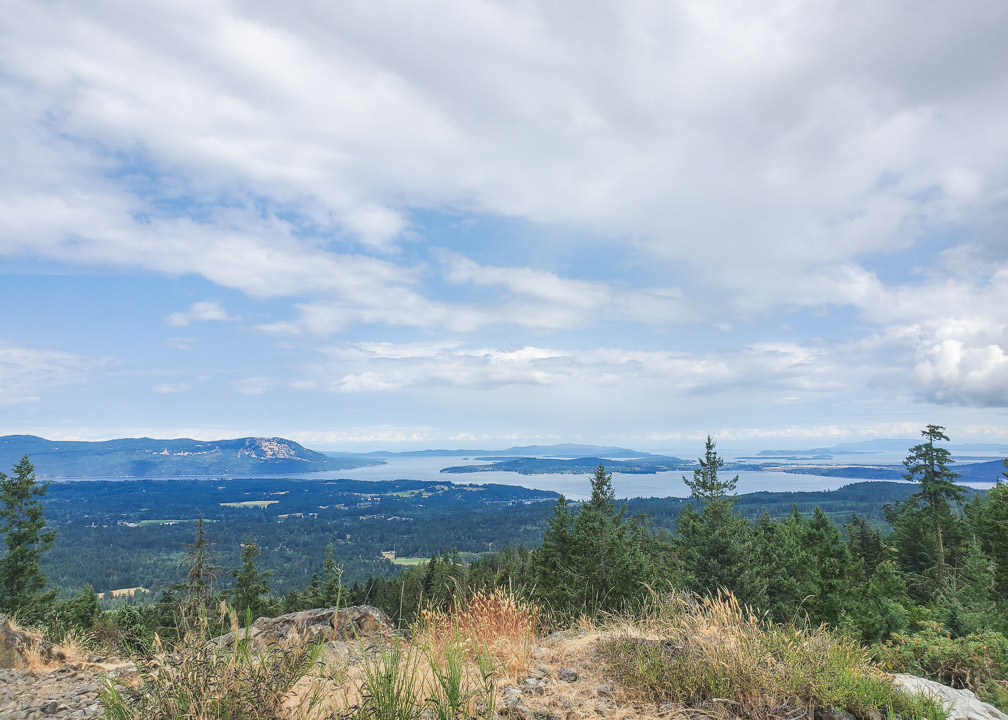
(959, 704)
(340, 630)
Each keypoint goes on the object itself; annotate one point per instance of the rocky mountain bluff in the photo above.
(146, 457)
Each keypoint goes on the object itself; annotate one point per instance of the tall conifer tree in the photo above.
(717, 547)
(928, 464)
(251, 584)
(24, 527)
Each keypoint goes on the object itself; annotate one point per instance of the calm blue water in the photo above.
(575, 487)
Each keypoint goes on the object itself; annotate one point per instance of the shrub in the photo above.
(978, 661)
(122, 631)
(713, 651)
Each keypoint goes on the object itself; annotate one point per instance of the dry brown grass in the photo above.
(716, 654)
(497, 624)
(42, 656)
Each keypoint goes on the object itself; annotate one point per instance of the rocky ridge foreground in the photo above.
(67, 692)
(566, 681)
(39, 680)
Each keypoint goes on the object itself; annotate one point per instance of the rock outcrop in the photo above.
(342, 631)
(67, 692)
(960, 704)
(351, 624)
(39, 680)
(17, 644)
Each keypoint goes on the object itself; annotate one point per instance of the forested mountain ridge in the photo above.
(577, 466)
(147, 457)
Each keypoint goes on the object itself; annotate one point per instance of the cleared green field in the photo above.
(251, 503)
(410, 560)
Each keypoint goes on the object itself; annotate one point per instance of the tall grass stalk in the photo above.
(450, 696)
(498, 624)
(390, 686)
(713, 651)
(203, 679)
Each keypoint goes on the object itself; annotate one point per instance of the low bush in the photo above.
(978, 661)
(714, 652)
(121, 632)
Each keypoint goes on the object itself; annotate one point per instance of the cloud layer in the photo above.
(787, 200)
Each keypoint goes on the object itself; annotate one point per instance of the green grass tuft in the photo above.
(714, 652)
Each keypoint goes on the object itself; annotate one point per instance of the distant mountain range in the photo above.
(881, 445)
(563, 450)
(146, 457)
(576, 466)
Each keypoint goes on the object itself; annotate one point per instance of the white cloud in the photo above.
(544, 300)
(528, 282)
(951, 373)
(200, 312)
(171, 388)
(724, 138)
(27, 373)
(253, 385)
(181, 343)
(728, 163)
(422, 367)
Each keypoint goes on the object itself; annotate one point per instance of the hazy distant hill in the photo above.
(980, 472)
(585, 465)
(563, 450)
(144, 457)
(881, 445)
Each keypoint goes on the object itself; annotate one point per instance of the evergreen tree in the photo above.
(716, 548)
(882, 607)
(81, 610)
(507, 568)
(596, 559)
(552, 563)
(23, 524)
(928, 464)
(444, 579)
(866, 546)
(609, 564)
(969, 602)
(251, 584)
(195, 592)
(989, 523)
(915, 544)
(789, 570)
(831, 558)
(332, 584)
(706, 486)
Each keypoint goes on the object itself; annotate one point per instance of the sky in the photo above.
(468, 223)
